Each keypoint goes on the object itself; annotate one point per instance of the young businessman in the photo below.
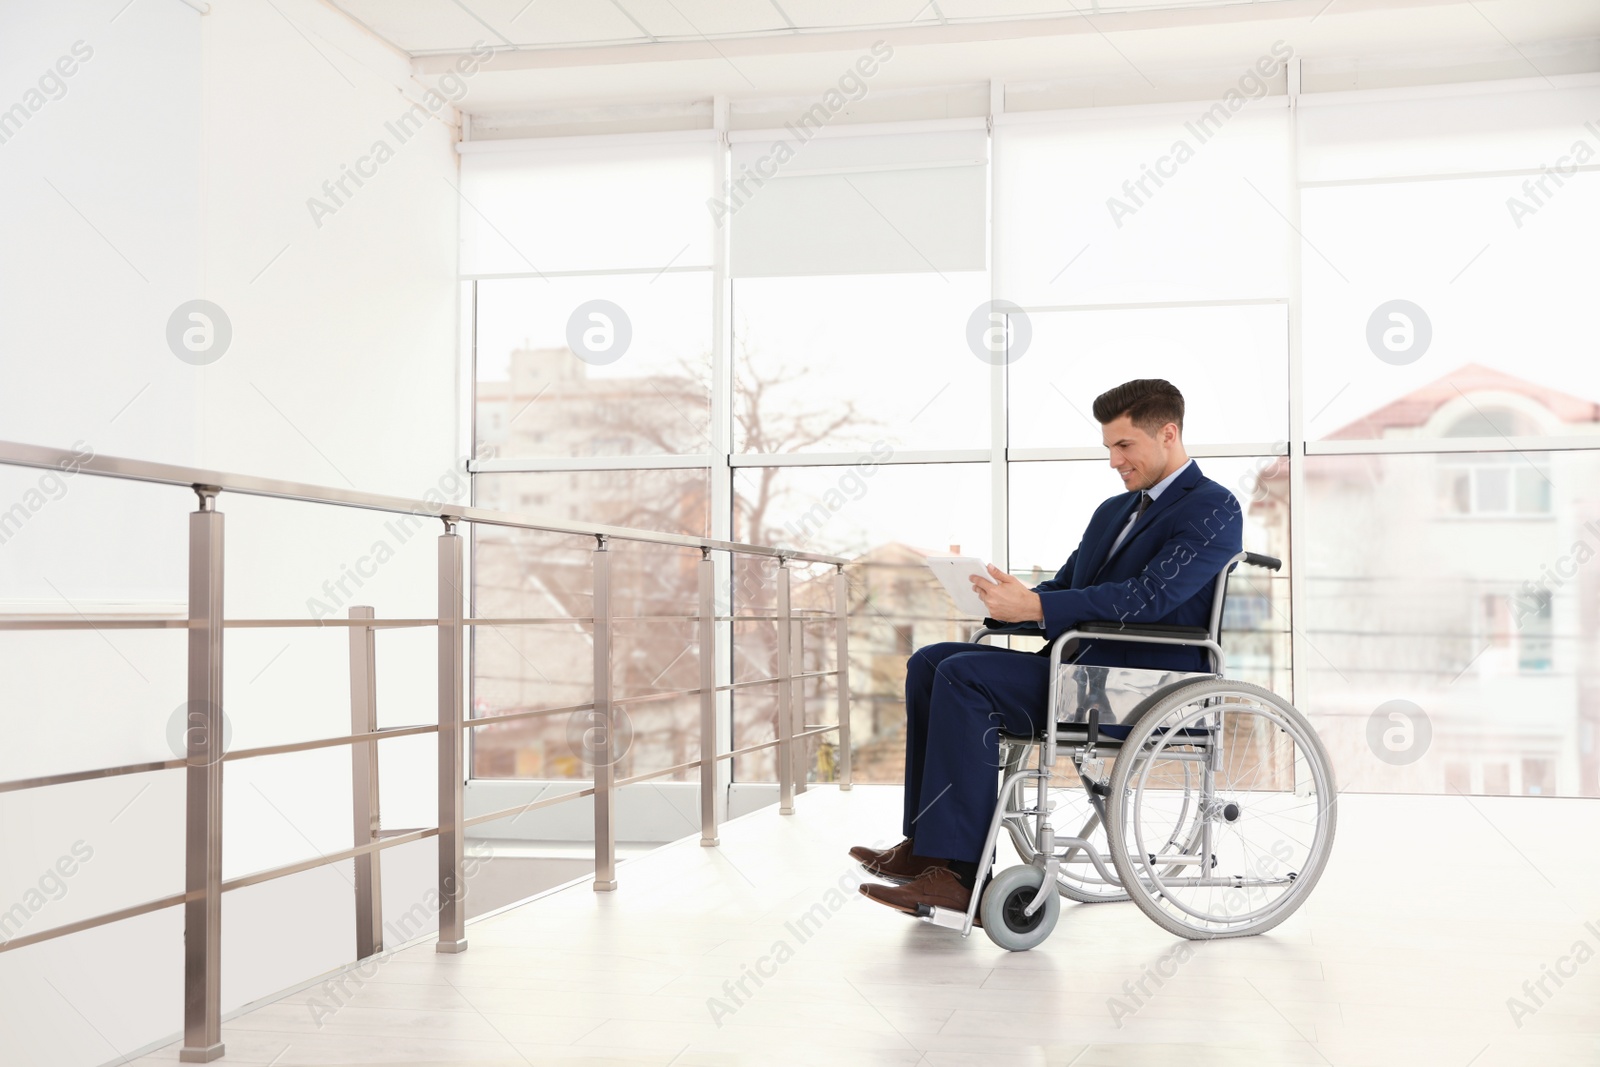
(1149, 555)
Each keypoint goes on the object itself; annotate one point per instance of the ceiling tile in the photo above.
(420, 25)
(710, 18)
(547, 22)
(818, 14)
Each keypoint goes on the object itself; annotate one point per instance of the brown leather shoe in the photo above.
(898, 864)
(864, 854)
(937, 887)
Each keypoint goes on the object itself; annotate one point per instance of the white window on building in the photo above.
(1494, 484)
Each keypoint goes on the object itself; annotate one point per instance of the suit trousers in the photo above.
(959, 696)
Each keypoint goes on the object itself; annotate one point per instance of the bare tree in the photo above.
(670, 413)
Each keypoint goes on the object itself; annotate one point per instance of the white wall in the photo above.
(177, 164)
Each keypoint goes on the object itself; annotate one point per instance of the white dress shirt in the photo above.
(1155, 491)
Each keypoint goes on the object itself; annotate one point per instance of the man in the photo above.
(1149, 555)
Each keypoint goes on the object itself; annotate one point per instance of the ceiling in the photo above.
(423, 27)
(566, 54)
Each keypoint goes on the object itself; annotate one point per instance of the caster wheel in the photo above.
(1004, 901)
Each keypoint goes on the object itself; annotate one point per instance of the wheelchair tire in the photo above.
(1007, 894)
(1270, 813)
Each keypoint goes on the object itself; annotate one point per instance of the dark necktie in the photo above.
(1138, 513)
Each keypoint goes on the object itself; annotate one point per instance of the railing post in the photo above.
(202, 917)
(600, 737)
(364, 784)
(797, 665)
(841, 614)
(452, 835)
(708, 699)
(785, 693)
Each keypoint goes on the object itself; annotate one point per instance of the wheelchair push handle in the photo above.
(1256, 559)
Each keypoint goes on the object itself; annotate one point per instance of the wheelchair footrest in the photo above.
(949, 918)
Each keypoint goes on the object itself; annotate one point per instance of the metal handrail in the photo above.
(167, 622)
(205, 624)
(15, 454)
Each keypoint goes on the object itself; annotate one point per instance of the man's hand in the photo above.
(1010, 600)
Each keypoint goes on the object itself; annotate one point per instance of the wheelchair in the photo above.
(1216, 817)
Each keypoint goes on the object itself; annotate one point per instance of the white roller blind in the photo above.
(593, 208)
(1118, 205)
(872, 204)
(1470, 131)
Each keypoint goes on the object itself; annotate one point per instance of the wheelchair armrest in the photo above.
(1148, 629)
(1013, 629)
(995, 628)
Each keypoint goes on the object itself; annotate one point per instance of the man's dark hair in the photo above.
(1149, 403)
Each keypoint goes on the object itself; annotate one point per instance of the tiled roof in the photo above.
(1418, 406)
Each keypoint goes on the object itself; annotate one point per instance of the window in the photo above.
(849, 412)
(888, 521)
(1494, 485)
(840, 363)
(1538, 777)
(1230, 363)
(1535, 646)
(537, 397)
(1493, 308)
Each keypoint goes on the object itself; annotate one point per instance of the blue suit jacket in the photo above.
(1163, 572)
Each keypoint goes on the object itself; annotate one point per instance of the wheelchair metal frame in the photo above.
(1046, 842)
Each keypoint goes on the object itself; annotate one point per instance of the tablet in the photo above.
(954, 574)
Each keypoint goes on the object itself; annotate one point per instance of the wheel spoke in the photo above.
(1274, 833)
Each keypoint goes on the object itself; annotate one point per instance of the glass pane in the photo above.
(1431, 310)
(1051, 503)
(639, 383)
(887, 525)
(665, 501)
(755, 707)
(864, 510)
(1494, 490)
(519, 668)
(1437, 644)
(841, 363)
(526, 667)
(549, 667)
(1230, 363)
(1533, 491)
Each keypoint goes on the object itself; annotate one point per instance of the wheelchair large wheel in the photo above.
(1266, 817)
(1003, 905)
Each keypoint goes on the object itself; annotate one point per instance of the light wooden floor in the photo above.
(1434, 911)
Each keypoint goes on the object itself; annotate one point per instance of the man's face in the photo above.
(1140, 459)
